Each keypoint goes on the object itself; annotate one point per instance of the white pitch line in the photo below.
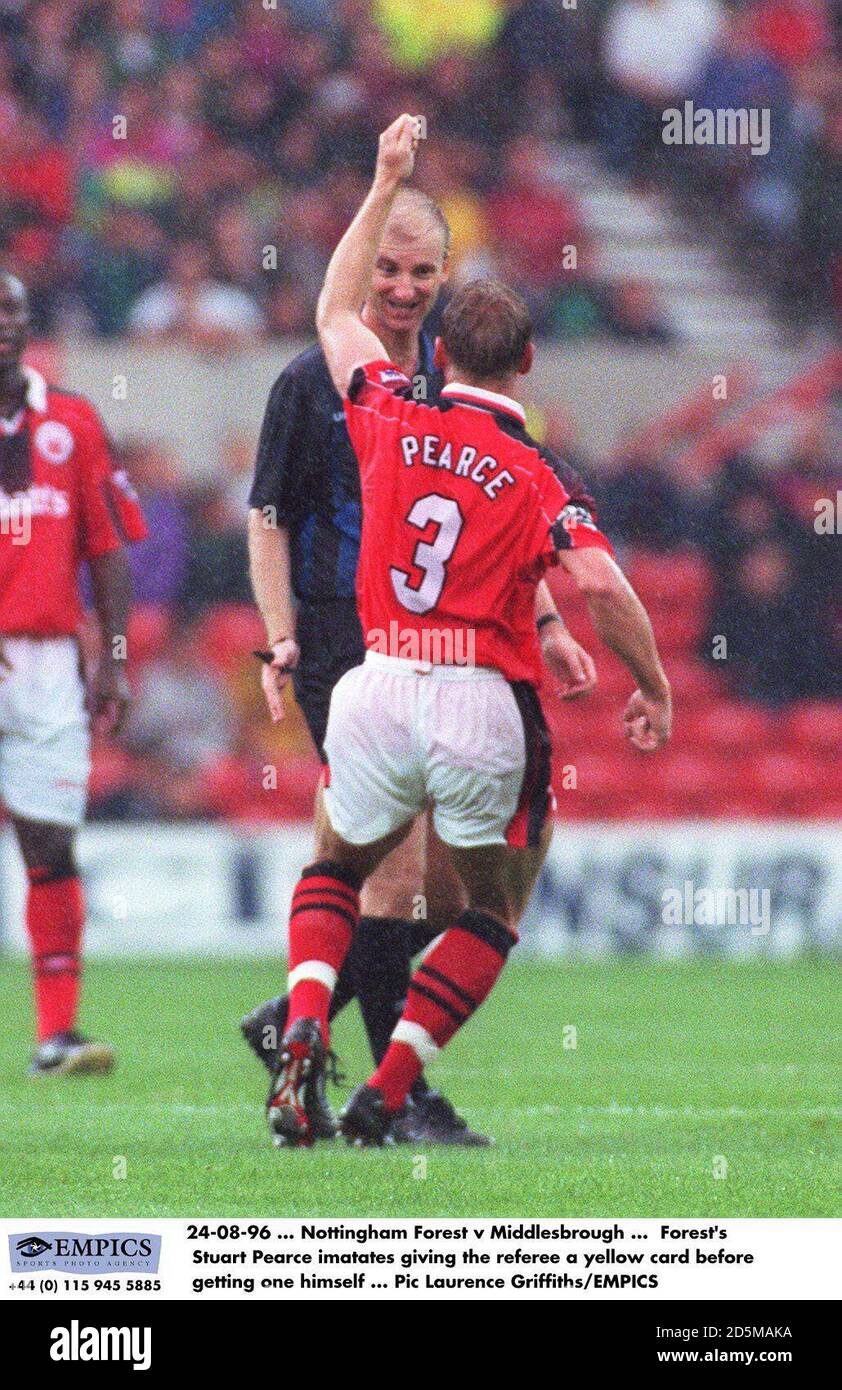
(666, 1112)
(657, 1112)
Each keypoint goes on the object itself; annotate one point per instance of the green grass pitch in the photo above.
(677, 1067)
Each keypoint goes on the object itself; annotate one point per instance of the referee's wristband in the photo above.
(546, 618)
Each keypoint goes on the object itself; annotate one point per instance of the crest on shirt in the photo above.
(54, 441)
(391, 375)
(574, 515)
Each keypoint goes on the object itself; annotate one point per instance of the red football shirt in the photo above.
(60, 502)
(462, 513)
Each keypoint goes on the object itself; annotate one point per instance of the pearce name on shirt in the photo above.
(430, 452)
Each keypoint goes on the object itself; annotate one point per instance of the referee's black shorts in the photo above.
(330, 639)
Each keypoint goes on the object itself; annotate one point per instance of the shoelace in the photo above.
(332, 1069)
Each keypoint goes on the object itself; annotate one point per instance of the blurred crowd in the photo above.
(778, 210)
(764, 613)
(181, 169)
(184, 167)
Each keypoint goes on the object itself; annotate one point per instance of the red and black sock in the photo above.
(446, 989)
(324, 916)
(55, 914)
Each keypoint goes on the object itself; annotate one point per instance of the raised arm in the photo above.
(345, 339)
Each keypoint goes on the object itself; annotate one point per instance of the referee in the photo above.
(304, 534)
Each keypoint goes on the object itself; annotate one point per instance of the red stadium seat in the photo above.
(229, 633)
(677, 630)
(816, 724)
(692, 681)
(819, 804)
(233, 789)
(111, 768)
(732, 724)
(149, 628)
(783, 774)
(683, 579)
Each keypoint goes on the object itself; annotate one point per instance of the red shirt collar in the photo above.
(484, 400)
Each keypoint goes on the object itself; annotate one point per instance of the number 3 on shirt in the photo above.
(429, 556)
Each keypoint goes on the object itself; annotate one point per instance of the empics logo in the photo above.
(80, 1253)
(75, 1343)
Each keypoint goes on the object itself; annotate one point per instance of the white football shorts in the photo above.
(403, 735)
(44, 739)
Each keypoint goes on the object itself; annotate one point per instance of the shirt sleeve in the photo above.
(562, 523)
(572, 482)
(281, 449)
(109, 511)
(374, 409)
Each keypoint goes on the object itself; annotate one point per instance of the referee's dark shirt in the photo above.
(307, 471)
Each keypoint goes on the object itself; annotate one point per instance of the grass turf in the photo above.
(677, 1066)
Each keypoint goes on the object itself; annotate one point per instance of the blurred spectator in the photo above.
(776, 649)
(653, 52)
(159, 563)
(240, 127)
(118, 266)
(217, 564)
(181, 725)
(773, 614)
(190, 305)
(539, 236)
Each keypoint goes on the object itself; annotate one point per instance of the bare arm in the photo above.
(271, 581)
(568, 661)
(346, 341)
(623, 624)
(112, 594)
(269, 566)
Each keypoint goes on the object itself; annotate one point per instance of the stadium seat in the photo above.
(678, 630)
(784, 775)
(111, 768)
(682, 579)
(816, 724)
(692, 680)
(732, 724)
(149, 628)
(229, 633)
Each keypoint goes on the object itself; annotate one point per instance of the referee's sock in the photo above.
(380, 963)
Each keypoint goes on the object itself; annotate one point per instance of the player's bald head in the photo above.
(415, 217)
(14, 320)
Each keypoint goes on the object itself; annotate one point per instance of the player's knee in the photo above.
(393, 897)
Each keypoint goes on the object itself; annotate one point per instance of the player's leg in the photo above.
(264, 1027)
(330, 642)
(373, 794)
(428, 1117)
(324, 919)
(44, 768)
(491, 804)
(55, 921)
(452, 981)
